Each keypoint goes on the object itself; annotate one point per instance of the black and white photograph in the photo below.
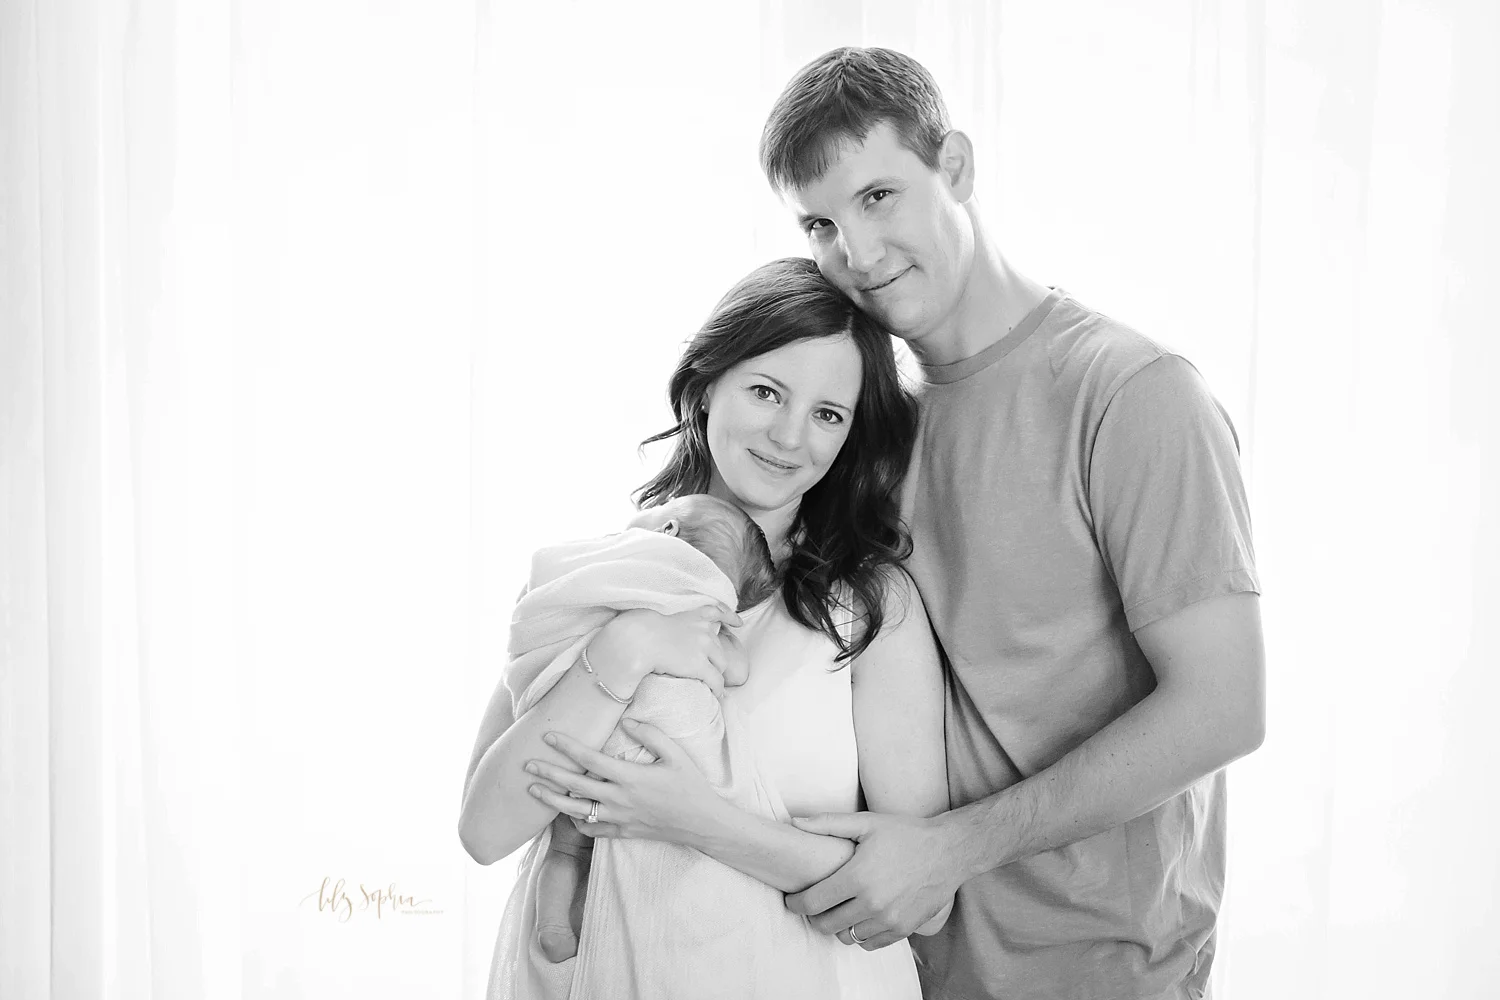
(749, 500)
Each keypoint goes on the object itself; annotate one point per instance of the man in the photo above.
(1082, 544)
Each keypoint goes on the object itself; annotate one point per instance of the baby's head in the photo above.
(725, 534)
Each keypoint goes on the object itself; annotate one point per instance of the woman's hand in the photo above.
(688, 644)
(669, 800)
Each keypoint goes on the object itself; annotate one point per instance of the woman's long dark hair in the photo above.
(848, 529)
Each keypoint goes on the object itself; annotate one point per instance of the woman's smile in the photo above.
(772, 465)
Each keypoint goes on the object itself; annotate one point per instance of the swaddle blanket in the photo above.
(660, 920)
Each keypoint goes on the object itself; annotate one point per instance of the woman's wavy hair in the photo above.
(848, 530)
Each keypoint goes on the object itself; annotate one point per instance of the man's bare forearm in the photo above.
(1154, 751)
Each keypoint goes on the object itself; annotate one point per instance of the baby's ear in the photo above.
(670, 528)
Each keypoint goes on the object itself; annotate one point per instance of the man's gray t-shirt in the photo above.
(1071, 483)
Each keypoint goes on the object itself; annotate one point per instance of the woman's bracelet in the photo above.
(598, 682)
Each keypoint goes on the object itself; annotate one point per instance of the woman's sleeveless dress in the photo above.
(797, 710)
(800, 712)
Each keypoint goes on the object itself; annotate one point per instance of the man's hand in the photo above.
(895, 883)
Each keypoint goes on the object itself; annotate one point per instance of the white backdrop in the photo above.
(316, 318)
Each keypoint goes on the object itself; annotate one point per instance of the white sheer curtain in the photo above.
(237, 322)
(315, 318)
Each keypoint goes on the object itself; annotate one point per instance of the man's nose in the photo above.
(863, 248)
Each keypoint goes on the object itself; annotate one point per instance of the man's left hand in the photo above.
(895, 883)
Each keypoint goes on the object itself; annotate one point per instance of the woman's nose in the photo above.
(786, 430)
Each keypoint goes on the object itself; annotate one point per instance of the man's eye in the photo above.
(879, 195)
(818, 224)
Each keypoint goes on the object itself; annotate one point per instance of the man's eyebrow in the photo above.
(783, 387)
(876, 185)
(879, 183)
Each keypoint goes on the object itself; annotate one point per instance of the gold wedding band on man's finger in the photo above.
(847, 936)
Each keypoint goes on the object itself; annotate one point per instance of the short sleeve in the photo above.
(1166, 494)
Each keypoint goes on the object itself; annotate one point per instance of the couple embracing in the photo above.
(936, 698)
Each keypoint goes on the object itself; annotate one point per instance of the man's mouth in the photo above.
(887, 283)
(772, 463)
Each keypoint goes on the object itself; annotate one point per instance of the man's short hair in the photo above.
(841, 96)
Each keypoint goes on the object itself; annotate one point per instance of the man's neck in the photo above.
(995, 298)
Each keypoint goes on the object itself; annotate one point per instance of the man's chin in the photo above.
(900, 319)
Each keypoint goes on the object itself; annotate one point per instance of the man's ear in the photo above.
(956, 164)
(670, 528)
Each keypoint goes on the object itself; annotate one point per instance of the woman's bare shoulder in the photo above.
(905, 632)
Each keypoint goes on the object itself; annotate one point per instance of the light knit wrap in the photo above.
(661, 921)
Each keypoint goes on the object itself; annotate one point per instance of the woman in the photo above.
(788, 404)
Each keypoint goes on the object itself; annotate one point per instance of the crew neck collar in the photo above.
(962, 369)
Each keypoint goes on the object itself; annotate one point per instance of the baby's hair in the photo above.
(736, 541)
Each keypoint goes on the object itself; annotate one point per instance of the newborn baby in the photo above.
(725, 534)
(734, 542)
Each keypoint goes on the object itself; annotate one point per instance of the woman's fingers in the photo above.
(576, 808)
(586, 757)
(653, 739)
(559, 789)
(729, 657)
(718, 661)
(682, 644)
(717, 615)
(713, 676)
(599, 830)
(554, 777)
(721, 614)
(578, 811)
(703, 670)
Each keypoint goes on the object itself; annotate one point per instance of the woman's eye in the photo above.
(830, 416)
(763, 392)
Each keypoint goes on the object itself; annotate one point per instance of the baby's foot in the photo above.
(559, 943)
(561, 888)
